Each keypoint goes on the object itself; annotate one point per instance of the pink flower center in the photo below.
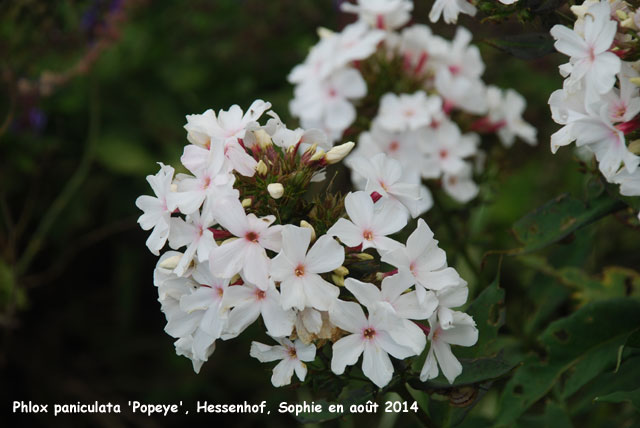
(368, 235)
(369, 333)
(332, 93)
(454, 69)
(291, 350)
(206, 183)
(394, 146)
(219, 291)
(252, 236)
(260, 294)
(299, 271)
(444, 153)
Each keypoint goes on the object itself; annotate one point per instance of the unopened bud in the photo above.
(170, 262)
(341, 271)
(621, 14)
(246, 203)
(261, 168)
(325, 32)
(276, 190)
(337, 280)
(364, 256)
(307, 225)
(634, 147)
(635, 81)
(262, 138)
(338, 153)
(319, 154)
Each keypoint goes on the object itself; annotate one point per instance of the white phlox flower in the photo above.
(405, 306)
(505, 114)
(292, 356)
(450, 9)
(407, 111)
(382, 14)
(462, 331)
(373, 336)
(422, 259)
(298, 271)
(193, 233)
(589, 54)
(384, 176)
(247, 254)
(250, 302)
(368, 226)
(446, 150)
(156, 212)
(460, 186)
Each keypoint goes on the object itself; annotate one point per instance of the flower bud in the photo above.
(307, 225)
(634, 147)
(341, 271)
(170, 262)
(319, 154)
(276, 190)
(337, 280)
(635, 80)
(325, 32)
(262, 138)
(338, 153)
(246, 203)
(364, 256)
(261, 168)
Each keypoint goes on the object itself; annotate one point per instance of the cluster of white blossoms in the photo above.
(245, 245)
(599, 103)
(407, 93)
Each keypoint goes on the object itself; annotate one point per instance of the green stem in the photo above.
(59, 204)
(460, 246)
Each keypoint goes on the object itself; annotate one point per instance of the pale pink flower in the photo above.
(299, 272)
(292, 356)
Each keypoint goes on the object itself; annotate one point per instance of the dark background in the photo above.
(79, 320)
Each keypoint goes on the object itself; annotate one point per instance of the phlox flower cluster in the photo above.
(410, 94)
(599, 103)
(245, 247)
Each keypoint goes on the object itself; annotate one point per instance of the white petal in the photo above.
(348, 316)
(449, 364)
(346, 352)
(376, 365)
(325, 255)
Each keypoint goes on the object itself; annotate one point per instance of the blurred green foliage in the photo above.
(94, 93)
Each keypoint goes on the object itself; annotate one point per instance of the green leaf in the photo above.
(588, 338)
(123, 156)
(615, 281)
(473, 371)
(558, 218)
(488, 312)
(524, 46)
(620, 396)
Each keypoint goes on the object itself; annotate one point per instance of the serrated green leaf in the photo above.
(589, 336)
(558, 218)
